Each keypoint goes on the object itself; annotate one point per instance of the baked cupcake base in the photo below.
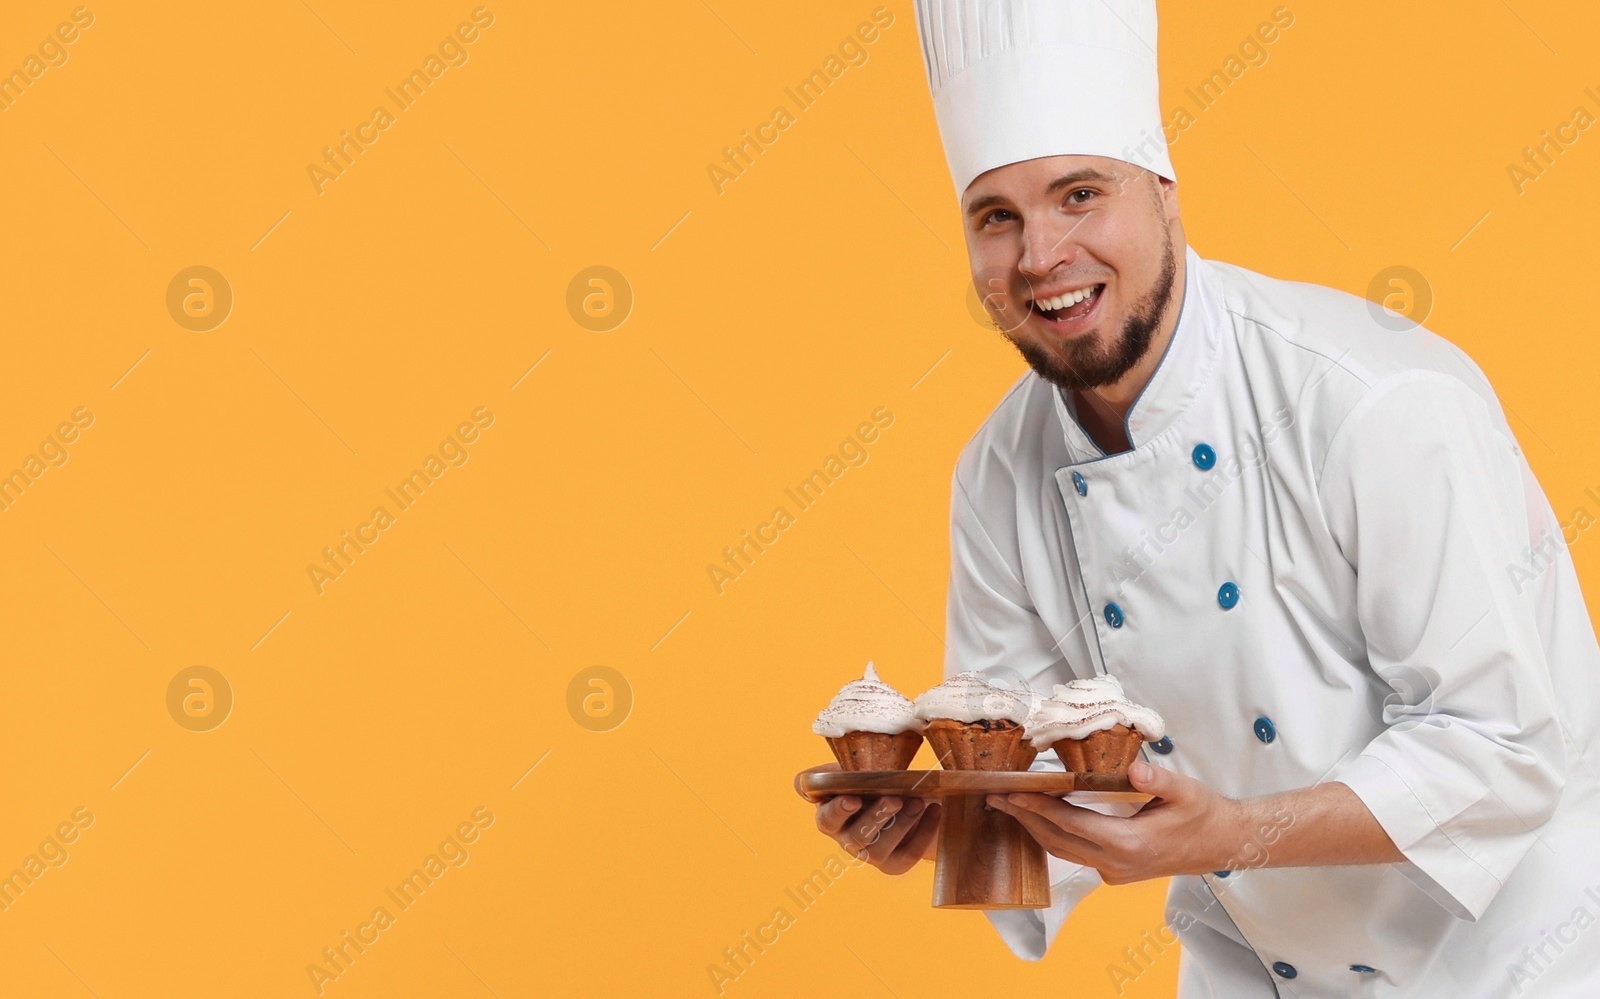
(985, 745)
(1108, 751)
(875, 750)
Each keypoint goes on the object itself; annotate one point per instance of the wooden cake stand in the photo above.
(986, 859)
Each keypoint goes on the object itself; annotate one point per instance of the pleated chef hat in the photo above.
(1015, 80)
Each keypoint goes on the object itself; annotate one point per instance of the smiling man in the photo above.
(1283, 519)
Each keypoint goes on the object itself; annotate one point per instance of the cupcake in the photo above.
(975, 725)
(1093, 726)
(870, 726)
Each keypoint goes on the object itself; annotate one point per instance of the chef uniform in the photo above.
(1325, 558)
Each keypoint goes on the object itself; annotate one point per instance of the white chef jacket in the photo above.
(1325, 558)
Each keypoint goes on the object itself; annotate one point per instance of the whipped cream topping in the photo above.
(1077, 708)
(972, 697)
(867, 705)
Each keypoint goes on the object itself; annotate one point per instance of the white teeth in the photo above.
(1063, 301)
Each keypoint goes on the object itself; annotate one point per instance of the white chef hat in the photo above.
(1015, 80)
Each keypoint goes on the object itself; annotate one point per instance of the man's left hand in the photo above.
(1186, 829)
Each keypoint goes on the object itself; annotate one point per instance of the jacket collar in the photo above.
(1184, 368)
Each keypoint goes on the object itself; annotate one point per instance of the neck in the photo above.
(1118, 397)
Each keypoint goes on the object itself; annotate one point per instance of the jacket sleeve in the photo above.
(1429, 499)
(990, 621)
(991, 625)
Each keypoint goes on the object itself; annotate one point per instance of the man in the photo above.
(1297, 532)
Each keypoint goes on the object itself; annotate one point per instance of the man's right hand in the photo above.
(890, 833)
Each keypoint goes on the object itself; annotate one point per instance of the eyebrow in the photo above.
(1066, 180)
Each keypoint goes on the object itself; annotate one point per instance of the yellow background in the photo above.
(768, 321)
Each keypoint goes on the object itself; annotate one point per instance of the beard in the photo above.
(1090, 361)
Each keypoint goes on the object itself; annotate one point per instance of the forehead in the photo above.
(1031, 178)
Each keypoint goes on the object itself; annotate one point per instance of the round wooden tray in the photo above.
(819, 785)
(986, 859)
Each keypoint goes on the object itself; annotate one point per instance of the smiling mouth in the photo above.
(1066, 308)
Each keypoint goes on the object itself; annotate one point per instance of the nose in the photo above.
(1048, 245)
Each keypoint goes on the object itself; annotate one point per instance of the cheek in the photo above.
(1135, 251)
(991, 256)
(995, 283)
(1118, 239)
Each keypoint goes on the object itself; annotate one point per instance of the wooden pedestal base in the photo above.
(986, 859)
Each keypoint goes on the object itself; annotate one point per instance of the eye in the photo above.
(1073, 196)
(994, 216)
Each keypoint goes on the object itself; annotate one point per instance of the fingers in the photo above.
(916, 843)
(1086, 823)
(856, 823)
(1061, 844)
(1042, 804)
(876, 846)
(866, 838)
(1166, 785)
(1065, 843)
(835, 812)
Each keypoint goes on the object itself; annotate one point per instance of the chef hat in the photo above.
(1015, 80)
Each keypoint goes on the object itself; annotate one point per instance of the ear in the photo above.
(1167, 191)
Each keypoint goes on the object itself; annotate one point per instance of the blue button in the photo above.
(1114, 615)
(1283, 969)
(1228, 595)
(1264, 730)
(1162, 745)
(1083, 487)
(1203, 457)
(1222, 874)
(1363, 969)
